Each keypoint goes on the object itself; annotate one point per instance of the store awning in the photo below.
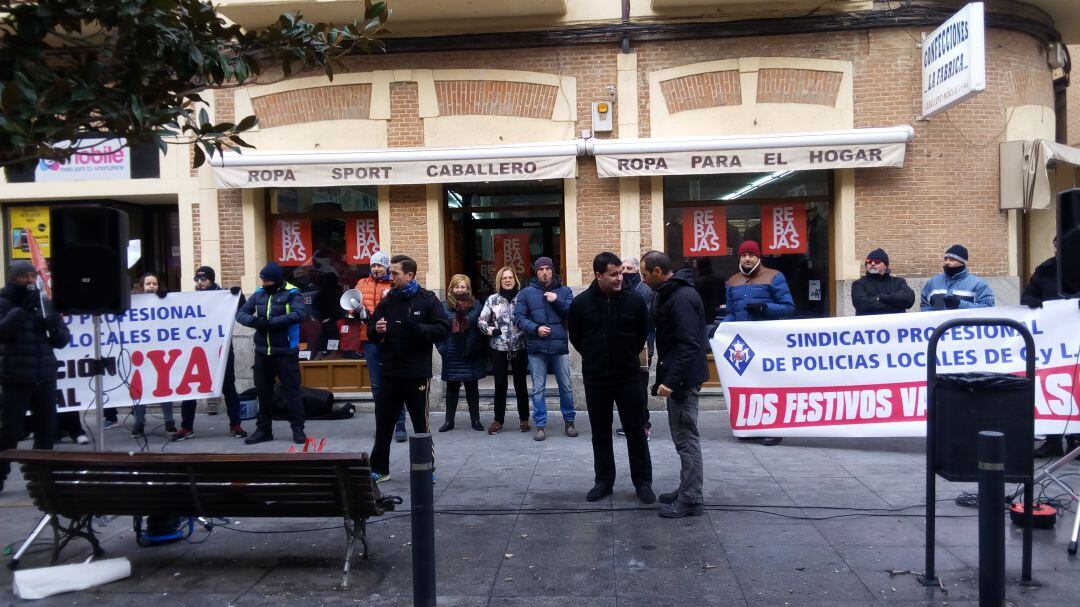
(512, 162)
(1030, 170)
(848, 149)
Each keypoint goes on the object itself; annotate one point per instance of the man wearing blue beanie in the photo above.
(275, 311)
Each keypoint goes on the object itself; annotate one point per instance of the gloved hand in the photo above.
(756, 308)
(952, 302)
(496, 332)
(937, 302)
(234, 290)
(261, 324)
(31, 303)
(161, 293)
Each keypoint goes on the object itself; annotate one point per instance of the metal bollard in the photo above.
(422, 491)
(991, 519)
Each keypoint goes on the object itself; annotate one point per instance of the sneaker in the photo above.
(110, 424)
(620, 431)
(260, 436)
(771, 441)
(541, 434)
(400, 435)
(669, 498)
(138, 430)
(298, 436)
(183, 434)
(597, 493)
(82, 439)
(170, 427)
(682, 509)
(1051, 447)
(571, 431)
(237, 431)
(379, 478)
(645, 494)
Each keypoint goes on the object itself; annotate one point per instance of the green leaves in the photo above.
(137, 69)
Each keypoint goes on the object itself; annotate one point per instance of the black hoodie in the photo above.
(679, 318)
(26, 339)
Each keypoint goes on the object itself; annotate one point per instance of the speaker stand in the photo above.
(99, 388)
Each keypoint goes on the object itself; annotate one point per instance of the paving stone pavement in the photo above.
(773, 533)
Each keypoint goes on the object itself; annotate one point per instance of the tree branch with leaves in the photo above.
(134, 69)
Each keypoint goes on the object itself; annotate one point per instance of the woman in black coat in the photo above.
(464, 359)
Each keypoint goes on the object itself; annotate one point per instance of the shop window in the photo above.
(707, 217)
(496, 224)
(324, 239)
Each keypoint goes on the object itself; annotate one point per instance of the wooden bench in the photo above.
(79, 486)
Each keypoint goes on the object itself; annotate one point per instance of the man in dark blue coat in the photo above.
(27, 363)
(540, 312)
(679, 318)
(275, 311)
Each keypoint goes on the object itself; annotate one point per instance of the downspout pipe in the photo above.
(626, 20)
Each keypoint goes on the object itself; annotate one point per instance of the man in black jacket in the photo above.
(205, 281)
(879, 292)
(608, 326)
(275, 311)
(406, 324)
(27, 362)
(1043, 287)
(679, 318)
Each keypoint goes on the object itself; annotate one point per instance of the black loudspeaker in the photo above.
(1068, 235)
(89, 260)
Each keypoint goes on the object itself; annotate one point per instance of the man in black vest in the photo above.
(608, 326)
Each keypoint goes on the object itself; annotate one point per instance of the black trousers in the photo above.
(69, 424)
(15, 400)
(504, 364)
(472, 397)
(286, 368)
(228, 392)
(627, 397)
(645, 389)
(394, 393)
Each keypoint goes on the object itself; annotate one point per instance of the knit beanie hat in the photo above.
(272, 272)
(878, 254)
(380, 258)
(750, 246)
(543, 262)
(957, 252)
(206, 272)
(18, 268)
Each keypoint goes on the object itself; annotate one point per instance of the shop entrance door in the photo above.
(492, 225)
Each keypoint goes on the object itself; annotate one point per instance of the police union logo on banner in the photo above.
(739, 354)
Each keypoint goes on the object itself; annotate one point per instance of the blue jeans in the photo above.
(371, 355)
(559, 366)
(140, 413)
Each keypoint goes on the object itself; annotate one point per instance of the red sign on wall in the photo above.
(292, 242)
(513, 250)
(704, 232)
(783, 229)
(361, 239)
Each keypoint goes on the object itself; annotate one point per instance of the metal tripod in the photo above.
(1048, 472)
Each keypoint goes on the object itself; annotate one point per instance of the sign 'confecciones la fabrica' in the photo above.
(866, 376)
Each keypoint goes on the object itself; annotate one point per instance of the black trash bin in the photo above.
(968, 403)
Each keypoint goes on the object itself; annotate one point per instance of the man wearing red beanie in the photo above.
(757, 293)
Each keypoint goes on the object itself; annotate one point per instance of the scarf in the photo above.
(460, 322)
(408, 290)
(508, 294)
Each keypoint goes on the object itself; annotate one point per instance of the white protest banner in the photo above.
(866, 376)
(161, 350)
